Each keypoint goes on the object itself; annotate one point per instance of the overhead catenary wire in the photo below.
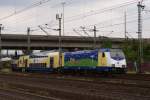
(131, 21)
(83, 37)
(84, 30)
(110, 19)
(95, 12)
(43, 30)
(33, 5)
(25, 9)
(87, 14)
(91, 13)
(100, 12)
(116, 18)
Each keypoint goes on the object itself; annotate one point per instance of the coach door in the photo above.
(51, 62)
(103, 59)
(26, 63)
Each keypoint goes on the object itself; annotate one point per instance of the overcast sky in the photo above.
(77, 13)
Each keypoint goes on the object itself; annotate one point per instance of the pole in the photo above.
(16, 54)
(59, 42)
(29, 41)
(140, 58)
(0, 45)
(63, 4)
(7, 52)
(125, 25)
(59, 18)
(94, 46)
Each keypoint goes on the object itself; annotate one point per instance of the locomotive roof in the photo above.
(45, 53)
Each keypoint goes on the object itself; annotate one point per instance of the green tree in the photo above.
(146, 52)
(130, 48)
(106, 43)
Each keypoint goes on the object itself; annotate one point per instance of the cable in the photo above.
(99, 11)
(70, 19)
(84, 38)
(25, 9)
(131, 21)
(108, 21)
(74, 30)
(43, 30)
(123, 23)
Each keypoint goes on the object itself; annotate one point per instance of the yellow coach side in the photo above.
(23, 61)
(53, 59)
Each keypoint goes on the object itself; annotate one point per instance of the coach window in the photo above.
(103, 54)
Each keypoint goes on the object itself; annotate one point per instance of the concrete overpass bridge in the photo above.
(42, 42)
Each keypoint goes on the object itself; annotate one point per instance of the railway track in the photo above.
(14, 94)
(75, 88)
(131, 82)
(140, 77)
(100, 95)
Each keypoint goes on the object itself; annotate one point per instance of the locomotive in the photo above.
(99, 60)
